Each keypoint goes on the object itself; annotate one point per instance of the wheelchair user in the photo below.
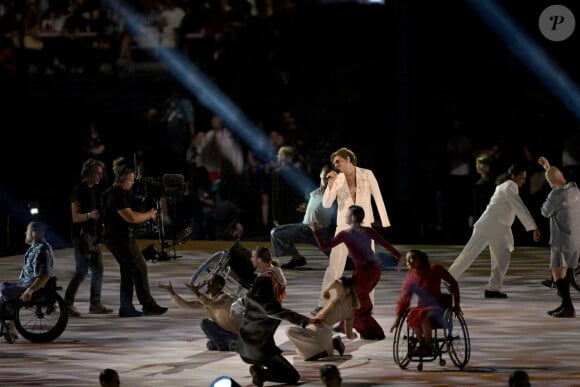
(37, 270)
(424, 280)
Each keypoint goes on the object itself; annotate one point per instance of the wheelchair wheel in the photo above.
(213, 265)
(41, 321)
(401, 344)
(218, 263)
(457, 335)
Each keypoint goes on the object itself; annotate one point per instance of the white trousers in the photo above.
(500, 253)
(311, 340)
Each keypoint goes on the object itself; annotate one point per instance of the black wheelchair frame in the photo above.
(41, 320)
(450, 336)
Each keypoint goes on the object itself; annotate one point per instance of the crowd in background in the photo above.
(52, 37)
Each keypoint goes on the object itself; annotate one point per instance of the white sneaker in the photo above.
(11, 332)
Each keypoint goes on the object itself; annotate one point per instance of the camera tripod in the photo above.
(178, 239)
(166, 193)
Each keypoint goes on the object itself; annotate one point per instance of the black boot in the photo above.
(567, 309)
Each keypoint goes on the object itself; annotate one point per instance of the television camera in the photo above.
(163, 194)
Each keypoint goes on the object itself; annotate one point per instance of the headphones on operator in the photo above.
(87, 165)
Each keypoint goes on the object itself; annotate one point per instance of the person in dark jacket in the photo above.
(262, 314)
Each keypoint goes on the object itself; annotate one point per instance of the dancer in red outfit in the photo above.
(367, 271)
(424, 280)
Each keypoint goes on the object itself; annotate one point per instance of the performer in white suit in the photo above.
(494, 229)
(351, 185)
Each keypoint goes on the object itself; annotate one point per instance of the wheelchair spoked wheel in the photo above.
(458, 341)
(41, 322)
(213, 265)
(401, 344)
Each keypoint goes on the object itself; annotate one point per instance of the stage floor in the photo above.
(169, 350)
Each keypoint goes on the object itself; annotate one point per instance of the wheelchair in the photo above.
(234, 264)
(450, 335)
(41, 320)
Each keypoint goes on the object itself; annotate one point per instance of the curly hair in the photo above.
(345, 153)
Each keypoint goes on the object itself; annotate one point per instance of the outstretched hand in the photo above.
(544, 162)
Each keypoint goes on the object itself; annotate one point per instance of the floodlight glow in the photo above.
(33, 208)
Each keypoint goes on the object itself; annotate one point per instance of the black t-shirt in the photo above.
(114, 199)
(89, 200)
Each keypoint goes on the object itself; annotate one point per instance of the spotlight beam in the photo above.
(207, 93)
(529, 53)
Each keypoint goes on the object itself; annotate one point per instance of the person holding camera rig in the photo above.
(85, 202)
(119, 219)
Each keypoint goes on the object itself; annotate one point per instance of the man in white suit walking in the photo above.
(493, 229)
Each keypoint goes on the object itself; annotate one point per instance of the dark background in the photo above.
(386, 80)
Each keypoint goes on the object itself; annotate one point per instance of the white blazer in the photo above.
(367, 188)
(504, 205)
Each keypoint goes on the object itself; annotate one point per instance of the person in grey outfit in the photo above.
(562, 207)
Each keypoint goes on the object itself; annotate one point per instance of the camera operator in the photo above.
(85, 202)
(119, 219)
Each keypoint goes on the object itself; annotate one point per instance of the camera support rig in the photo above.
(167, 190)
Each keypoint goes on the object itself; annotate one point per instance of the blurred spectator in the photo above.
(483, 187)
(228, 191)
(285, 196)
(171, 17)
(148, 38)
(7, 61)
(519, 378)
(220, 144)
(177, 120)
(93, 145)
(109, 378)
(330, 376)
(258, 172)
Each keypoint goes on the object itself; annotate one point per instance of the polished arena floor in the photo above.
(169, 350)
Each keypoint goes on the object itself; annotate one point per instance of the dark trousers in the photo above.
(134, 274)
(87, 257)
(285, 236)
(218, 338)
(278, 369)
